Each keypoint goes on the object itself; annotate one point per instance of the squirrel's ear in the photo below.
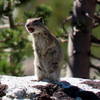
(41, 19)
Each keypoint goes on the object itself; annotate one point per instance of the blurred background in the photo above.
(16, 54)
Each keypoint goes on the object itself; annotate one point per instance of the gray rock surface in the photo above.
(27, 88)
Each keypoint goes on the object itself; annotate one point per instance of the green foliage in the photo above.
(6, 68)
(11, 37)
(28, 15)
(7, 6)
(1, 7)
(15, 41)
(43, 11)
(20, 2)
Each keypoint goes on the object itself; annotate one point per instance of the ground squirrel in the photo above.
(47, 50)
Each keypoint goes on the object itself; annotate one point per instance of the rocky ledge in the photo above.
(27, 88)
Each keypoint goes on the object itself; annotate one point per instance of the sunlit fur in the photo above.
(47, 51)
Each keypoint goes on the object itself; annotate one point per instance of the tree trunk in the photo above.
(11, 21)
(10, 15)
(80, 38)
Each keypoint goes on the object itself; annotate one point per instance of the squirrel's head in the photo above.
(34, 24)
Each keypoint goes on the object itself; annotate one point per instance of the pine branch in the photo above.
(97, 18)
(94, 57)
(64, 22)
(7, 49)
(95, 45)
(96, 25)
(5, 40)
(63, 40)
(97, 21)
(95, 40)
(95, 67)
(98, 1)
(7, 25)
(2, 41)
(67, 19)
(4, 26)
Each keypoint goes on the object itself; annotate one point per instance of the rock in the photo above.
(27, 88)
(2, 90)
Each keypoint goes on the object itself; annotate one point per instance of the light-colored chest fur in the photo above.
(41, 42)
(44, 44)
